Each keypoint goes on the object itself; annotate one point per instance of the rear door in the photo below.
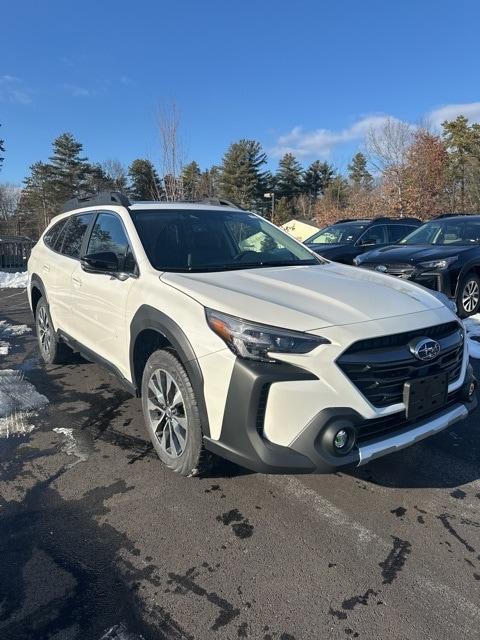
(59, 267)
(99, 300)
(396, 232)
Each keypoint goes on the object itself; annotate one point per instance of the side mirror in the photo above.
(103, 262)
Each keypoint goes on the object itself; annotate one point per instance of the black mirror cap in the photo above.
(102, 262)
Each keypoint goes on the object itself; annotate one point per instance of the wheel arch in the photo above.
(37, 291)
(152, 329)
(472, 266)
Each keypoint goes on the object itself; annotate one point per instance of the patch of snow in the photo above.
(120, 632)
(4, 348)
(12, 330)
(17, 280)
(70, 445)
(18, 400)
(472, 328)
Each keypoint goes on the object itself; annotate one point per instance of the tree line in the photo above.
(403, 171)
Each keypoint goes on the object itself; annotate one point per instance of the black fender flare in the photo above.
(37, 283)
(148, 317)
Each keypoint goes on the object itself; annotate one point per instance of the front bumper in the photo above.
(242, 440)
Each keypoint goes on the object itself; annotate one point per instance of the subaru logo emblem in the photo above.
(381, 267)
(425, 349)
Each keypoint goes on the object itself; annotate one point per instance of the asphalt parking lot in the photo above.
(97, 540)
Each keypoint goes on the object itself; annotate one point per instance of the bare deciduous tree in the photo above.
(387, 147)
(9, 198)
(172, 154)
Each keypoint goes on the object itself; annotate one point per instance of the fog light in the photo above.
(340, 439)
(471, 389)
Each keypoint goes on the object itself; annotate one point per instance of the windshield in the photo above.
(342, 233)
(446, 232)
(203, 240)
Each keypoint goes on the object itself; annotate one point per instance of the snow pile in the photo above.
(18, 399)
(9, 331)
(13, 280)
(472, 327)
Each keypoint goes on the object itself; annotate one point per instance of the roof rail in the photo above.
(218, 202)
(350, 220)
(396, 219)
(102, 198)
(451, 215)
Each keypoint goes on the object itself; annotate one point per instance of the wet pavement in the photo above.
(98, 540)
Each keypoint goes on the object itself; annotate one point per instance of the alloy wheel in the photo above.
(44, 331)
(166, 412)
(470, 296)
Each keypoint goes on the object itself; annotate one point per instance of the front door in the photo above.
(99, 300)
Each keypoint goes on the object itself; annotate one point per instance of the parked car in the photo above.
(347, 239)
(443, 255)
(260, 352)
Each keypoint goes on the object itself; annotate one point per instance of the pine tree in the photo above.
(144, 181)
(38, 202)
(289, 177)
(2, 150)
(463, 144)
(191, 179)
(358, 173)
(241, 178)
(69, 171)
(317, 178)
(208, 183)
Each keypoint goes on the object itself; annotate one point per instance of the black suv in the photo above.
(443, 254)
(346, 239)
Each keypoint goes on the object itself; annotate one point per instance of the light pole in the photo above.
(271, 196)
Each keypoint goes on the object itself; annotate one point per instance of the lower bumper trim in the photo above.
(428, 427)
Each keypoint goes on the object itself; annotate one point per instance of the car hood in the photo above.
(411, 253)
(305, 297)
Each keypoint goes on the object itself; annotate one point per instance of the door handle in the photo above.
(76, 281)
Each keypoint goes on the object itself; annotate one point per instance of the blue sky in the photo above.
(308, 76)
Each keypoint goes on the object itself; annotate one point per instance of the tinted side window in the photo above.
(51, 237)
(74, 234)
(374, 235)
(398, 231)
(109, 235)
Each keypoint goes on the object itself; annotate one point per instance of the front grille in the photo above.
(380, 367)
(389, 425)
(395, 269)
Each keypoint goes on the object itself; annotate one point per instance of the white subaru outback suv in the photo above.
(242, 342)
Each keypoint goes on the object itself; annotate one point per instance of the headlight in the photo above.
(441, 264)
(451, 304)
(256, 341)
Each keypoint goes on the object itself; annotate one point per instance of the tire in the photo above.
(52, 350)
(468, 297)
(174, 426)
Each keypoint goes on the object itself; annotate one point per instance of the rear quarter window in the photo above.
(74, 234)
(52, 236)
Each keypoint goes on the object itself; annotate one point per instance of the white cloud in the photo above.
(470, 110)
(321, 142)
(76, 91)
(12, 90)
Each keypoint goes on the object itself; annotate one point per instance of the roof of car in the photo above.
(116, 198)
(379, 219)
(168, 206)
